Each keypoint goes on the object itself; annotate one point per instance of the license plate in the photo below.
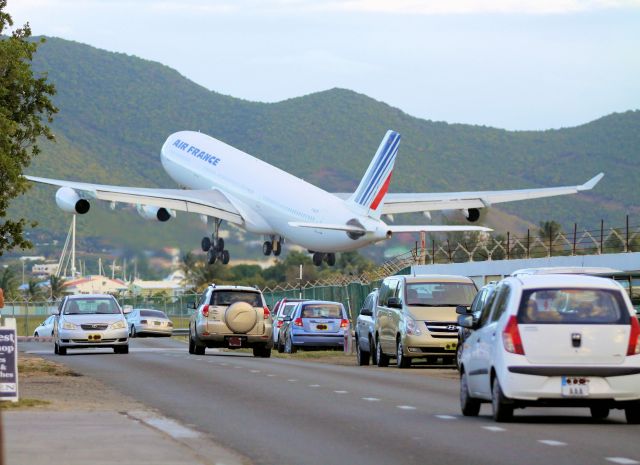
(235, 342)
(575, 386)
(322, 327)
(157, 323)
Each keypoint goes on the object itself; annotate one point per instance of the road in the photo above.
(283, 411)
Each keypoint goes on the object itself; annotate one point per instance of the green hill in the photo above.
(116, 111)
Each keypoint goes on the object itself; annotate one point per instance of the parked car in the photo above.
(149, 322)
(233, 317)
(416, 317)
(282, 323)
(90, 320)
(483, 297)
(45, 328)
(282, 308)
(365, 330)
(315, 324)
(553, 340)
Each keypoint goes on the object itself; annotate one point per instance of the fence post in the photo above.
(627, 235)
(601, 236)
(433, 251)
(575, 237)
(528, 245)
(449, 250)
(508, 242)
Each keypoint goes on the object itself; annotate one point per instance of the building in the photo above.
(95, 284)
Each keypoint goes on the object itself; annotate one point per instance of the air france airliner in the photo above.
(225, 184)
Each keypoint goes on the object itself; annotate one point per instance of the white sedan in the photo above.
(553, 340)
(45, 328)
(149, 322)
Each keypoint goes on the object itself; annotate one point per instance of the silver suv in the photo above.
(231, 317)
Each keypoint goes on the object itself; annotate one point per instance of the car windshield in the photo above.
(155, 313)
(573, 306)
(321, 311)
(440, 294)
(91, 306)
(230, 297)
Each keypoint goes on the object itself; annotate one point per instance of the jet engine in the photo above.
(69, 201)
(472, 214)
(149, 212)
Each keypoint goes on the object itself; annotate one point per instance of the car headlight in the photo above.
(118, 325)
(69, 325)
(412, 327)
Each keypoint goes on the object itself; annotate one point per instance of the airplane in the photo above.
(223, 183)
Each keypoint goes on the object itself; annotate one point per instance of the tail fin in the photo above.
(375, 183)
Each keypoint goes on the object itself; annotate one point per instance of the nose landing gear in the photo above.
(272, 246)
(214, 246)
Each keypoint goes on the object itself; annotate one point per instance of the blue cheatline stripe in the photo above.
(382, 160)
(382, 167)
(381, 179)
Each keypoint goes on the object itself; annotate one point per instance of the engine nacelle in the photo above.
(69, 201)
(149, 212)
(472, 214)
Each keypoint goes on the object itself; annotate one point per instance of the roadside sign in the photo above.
(8, 364)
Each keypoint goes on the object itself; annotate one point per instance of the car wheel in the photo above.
(470, 406)
(502, 408)
(361, 355)
(36, 334)
(198, 349)
(289, 347)
(55, 348)
(133, 332)
(458, 356)
(632, 413)
(401, 360)
(62, 350)
(383, 359)
(599, 412)
(372, 351)
(192, 344)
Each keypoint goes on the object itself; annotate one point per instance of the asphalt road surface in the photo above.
(278, 411)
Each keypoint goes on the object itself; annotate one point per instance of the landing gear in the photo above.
(214, 246)
(272, 246)
(319, 257)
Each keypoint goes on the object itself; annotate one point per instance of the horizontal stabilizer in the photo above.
(435, 228)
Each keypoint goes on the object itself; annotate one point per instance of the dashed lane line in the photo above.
(495, 429)
(341, 392)
(371, 399)
(622, 460)
(314, 385)
(446, 417)
(406, 407)
(551, 442)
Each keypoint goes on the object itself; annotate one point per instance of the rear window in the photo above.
(440, 294)
(224, 298)
(288, 309)
(321, 311)
(573, 306)
(155, 313)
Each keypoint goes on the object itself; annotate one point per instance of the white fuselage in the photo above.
(267, 198)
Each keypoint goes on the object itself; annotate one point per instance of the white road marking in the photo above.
(622, 460)
(371, 399)
(292, 380)
(405, 407)
(224, 364)
(495, 429)
(314, 385)
(167, 425)
(341, 392)
(255, 371)
(551, 442)
(446, 417)
(270, 375)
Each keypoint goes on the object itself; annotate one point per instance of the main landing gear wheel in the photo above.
(318, 258)
(331, 259)
(267, 248)
(214, 246)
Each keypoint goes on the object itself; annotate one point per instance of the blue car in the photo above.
(315, 324)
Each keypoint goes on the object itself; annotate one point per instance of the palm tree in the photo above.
(33, 291)
(8, 283)
(56, 283)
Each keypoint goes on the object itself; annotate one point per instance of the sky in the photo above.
(517, 65)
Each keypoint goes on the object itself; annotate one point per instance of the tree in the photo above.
(56, 283)
(24, 104)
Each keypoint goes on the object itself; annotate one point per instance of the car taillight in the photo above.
(344, 324)
(634, 337)
(205, 310)
(267, 313)
(297, 322)
(143, 322)
(279, 324)
(511, 337)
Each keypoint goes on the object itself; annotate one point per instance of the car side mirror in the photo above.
(466, 321)
(127, 309)
(394, 302)
(462, 310)
(366, 312)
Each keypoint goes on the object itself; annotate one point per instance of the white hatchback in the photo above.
(553, 340)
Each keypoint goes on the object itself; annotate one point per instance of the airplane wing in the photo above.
(211, 202)
(423, 202)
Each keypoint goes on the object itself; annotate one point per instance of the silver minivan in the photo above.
(416, 317)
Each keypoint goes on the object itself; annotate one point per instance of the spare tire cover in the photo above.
(240, 317)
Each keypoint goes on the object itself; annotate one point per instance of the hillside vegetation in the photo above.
(116, 111)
